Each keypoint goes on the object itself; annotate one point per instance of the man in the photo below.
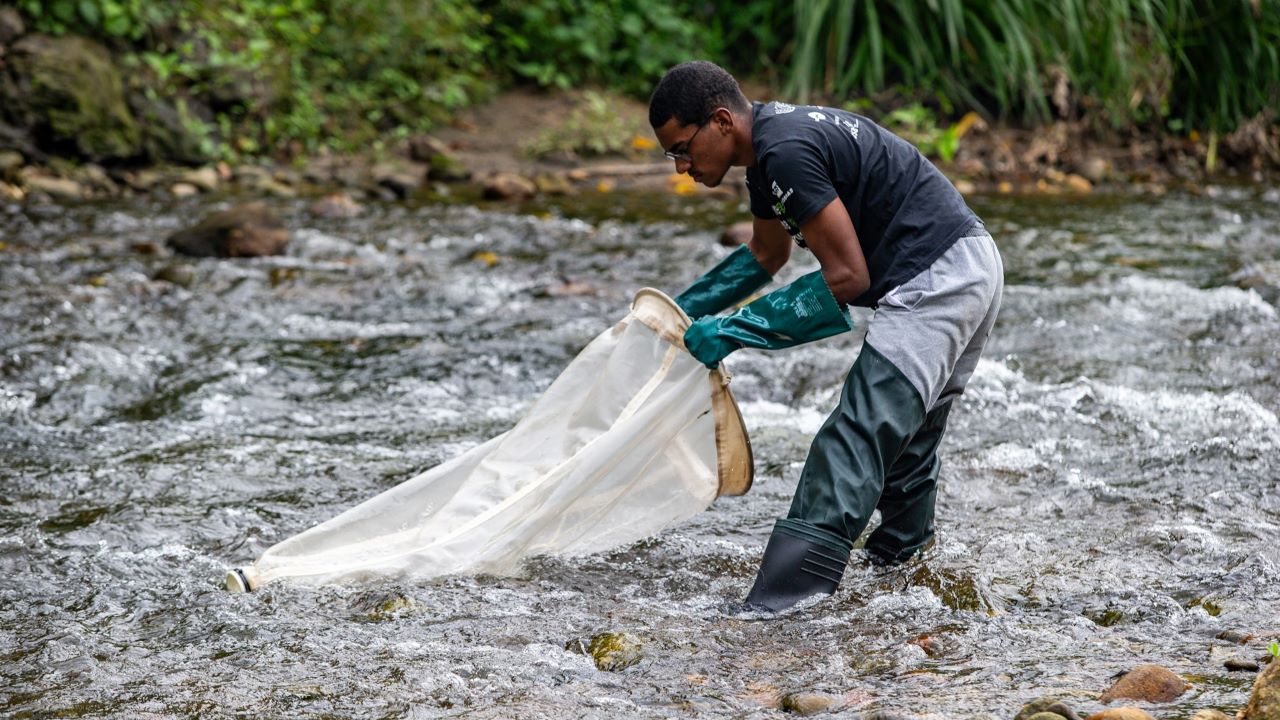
(891, 233)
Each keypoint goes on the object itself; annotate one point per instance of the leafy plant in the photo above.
(625, 44)
(592, 128)
(918, 125)
(1129, 61)
(1274, 649)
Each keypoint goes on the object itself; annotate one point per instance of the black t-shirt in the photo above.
(905, 212)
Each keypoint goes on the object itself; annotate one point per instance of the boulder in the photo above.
(1264, 699)
(1151, 683)
(246, 230)
(69, 92)
(1210, 715)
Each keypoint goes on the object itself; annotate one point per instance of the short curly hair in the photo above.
(691, 91)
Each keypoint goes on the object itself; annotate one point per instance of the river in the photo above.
(1109, 495)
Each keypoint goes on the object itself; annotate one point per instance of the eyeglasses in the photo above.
(684, 154)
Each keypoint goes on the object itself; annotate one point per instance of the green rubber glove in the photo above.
(731, 280)
(798, 313)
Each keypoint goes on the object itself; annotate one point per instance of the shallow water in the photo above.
(1109, 496)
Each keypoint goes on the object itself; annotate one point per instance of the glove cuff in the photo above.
(732, 280)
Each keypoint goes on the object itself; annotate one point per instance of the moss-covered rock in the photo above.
(173, 131)
(70, 94)
(1264, 701)
(611, 651)
(1046, 705)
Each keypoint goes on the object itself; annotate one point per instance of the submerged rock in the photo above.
(1264, 700)
(809, 703)
(1151, 683)
(1210, 715)
(180, 275)
(381, 605)
(1241, 664)
(1046, 705)
(246, 230)
(611, 651)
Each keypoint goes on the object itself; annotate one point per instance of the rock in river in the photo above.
(1122, 713)
(1151, 683)
(1046, 706)
(246, 230)
(611, 651)
(1264, 701)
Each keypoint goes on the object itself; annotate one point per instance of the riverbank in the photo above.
(525, 144)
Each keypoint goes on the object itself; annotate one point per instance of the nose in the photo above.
(683, 165)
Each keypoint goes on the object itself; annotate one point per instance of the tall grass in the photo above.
(1206, 63)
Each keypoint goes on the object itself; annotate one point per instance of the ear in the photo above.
(724, 120)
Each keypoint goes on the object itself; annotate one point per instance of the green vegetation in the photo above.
(1189, 63)
(284, 77)
(288, 76)
(592, 128)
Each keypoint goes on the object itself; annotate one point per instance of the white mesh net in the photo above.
(634, 436)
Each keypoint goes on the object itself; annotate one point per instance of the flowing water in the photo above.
(1109, 492)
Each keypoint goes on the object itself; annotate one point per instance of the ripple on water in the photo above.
(1107, 493)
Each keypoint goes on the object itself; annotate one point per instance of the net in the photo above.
(634, 436)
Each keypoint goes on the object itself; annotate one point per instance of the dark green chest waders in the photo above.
(877, 449)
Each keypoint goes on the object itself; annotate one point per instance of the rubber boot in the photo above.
(793, 569)
(910, 491)
(879, 413)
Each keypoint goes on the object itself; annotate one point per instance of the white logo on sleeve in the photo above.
(781, 108)
(817, 116)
